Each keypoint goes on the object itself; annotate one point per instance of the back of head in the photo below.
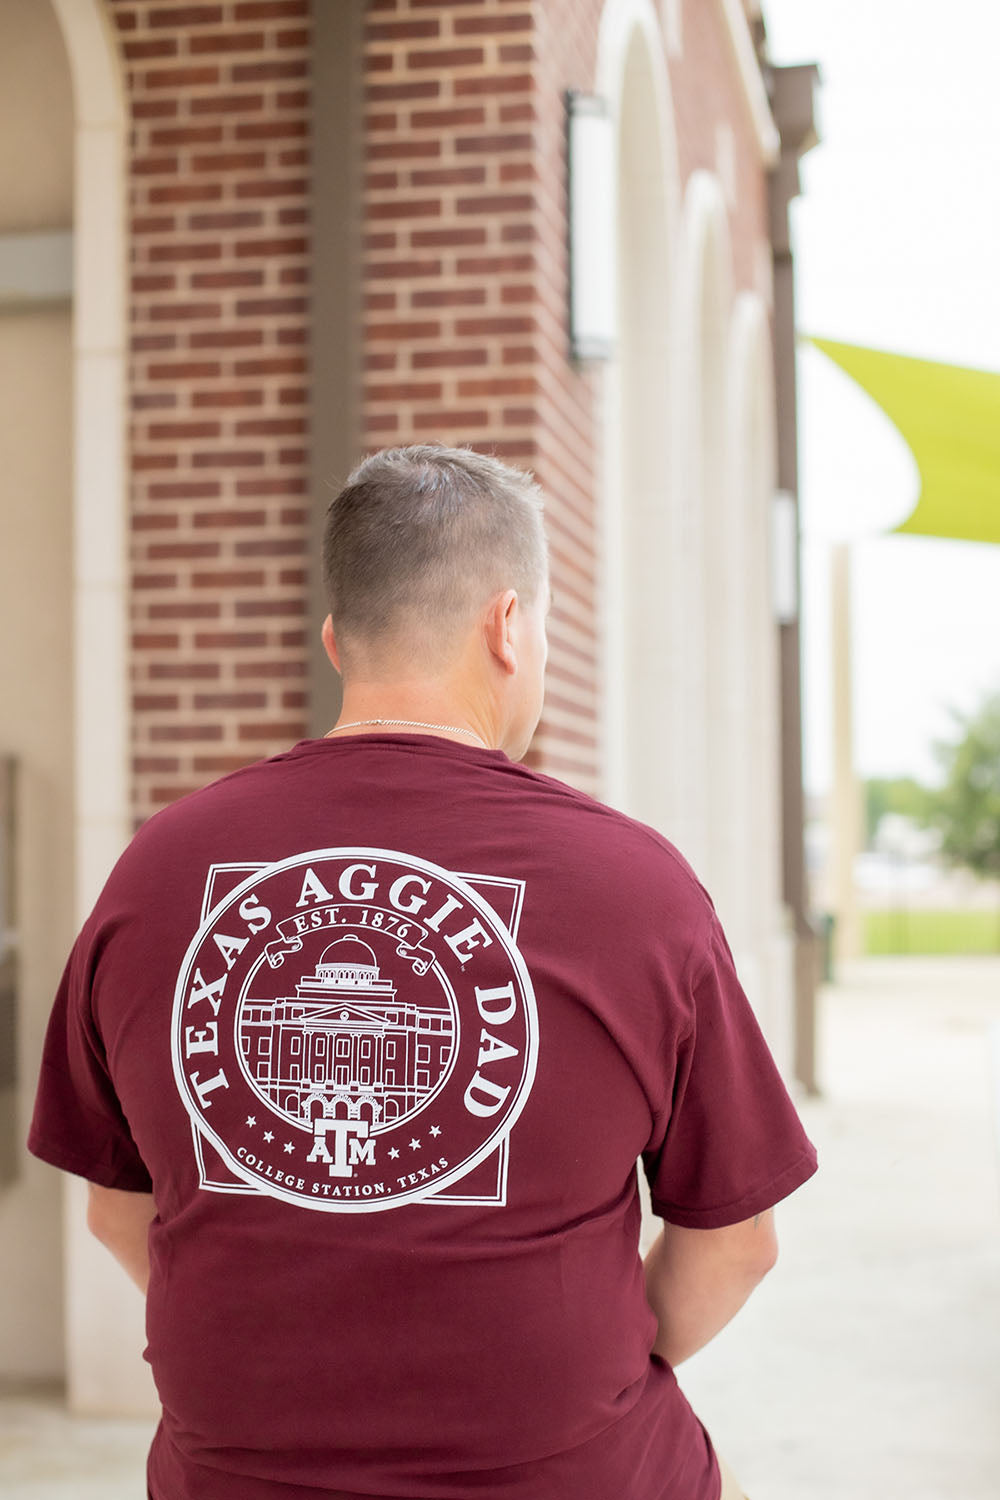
(417, 542)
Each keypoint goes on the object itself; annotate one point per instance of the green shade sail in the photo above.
(949, 417)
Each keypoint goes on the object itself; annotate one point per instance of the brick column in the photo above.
(219, 227)
(464, 289)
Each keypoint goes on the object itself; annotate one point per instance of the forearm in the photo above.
(697, 1280)
(121, 1222)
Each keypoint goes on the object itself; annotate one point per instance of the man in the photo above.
(361, 1045)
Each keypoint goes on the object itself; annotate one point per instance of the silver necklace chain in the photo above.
(410, 724)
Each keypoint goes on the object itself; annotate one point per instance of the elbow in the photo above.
(97, 1220)
(107, 1212)
(754, 1251)
(765, 1256)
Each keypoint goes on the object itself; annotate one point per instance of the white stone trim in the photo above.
(673, 26)
(750, 480)
(704, 264)
(104, 1314)
(703, 250)
(754, 92)
(621, 22)
(99, 464)
(753, 470)
(614, 33)
(725, 160)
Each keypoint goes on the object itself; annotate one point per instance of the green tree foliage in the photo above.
(967, 807)
(898, 794)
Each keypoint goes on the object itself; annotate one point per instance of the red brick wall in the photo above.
(707, 92)
(464, 278)
(570, 439)
(218, 95)
(465, 269)
(464, 287)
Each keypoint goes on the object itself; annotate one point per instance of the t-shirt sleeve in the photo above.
(78, 1122)
(733, 1145)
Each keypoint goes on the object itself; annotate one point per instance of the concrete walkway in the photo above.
(47, 1455)
(867, 1367)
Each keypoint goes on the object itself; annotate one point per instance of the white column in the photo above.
(104, 1314)
(845, 807)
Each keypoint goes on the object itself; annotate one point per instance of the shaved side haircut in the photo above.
(418, 541)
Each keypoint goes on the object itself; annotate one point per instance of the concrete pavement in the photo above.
(47, 1455)
(867, 1366)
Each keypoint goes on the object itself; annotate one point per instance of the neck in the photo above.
(442, 714)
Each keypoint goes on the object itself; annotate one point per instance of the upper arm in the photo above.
(113, 1214)
(746, 1250)
(753, 1242)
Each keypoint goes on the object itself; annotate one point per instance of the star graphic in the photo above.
(414, 1145)
(435, 1130)
(393, 1153)
(269, 1135)
(251, 1120)
(289, 1147)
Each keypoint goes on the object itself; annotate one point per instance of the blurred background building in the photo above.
(243, 242)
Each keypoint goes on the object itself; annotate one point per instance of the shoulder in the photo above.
(619, 836)
(620, 859)
(177, 840)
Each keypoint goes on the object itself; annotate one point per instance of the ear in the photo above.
(329, 643)
(499, 628)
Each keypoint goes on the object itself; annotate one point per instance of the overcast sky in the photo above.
(898, 246)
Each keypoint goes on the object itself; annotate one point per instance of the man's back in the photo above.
(387, 1021)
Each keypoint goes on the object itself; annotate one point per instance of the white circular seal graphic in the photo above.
(353, 1029)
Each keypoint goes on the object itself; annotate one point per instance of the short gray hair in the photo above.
(421, 537)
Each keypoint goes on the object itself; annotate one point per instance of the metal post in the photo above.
(792, 105)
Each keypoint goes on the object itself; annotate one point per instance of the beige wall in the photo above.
(36, 119)
(36, 707)
(36, 726)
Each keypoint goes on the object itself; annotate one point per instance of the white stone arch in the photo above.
(100, 484)
(103, 1373)
(702, 615)
(639, 667)
(619, 20)
(761, 935)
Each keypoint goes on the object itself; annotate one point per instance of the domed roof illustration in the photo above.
(347, 953)
(347, 964)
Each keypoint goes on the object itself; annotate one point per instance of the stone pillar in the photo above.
(845, 808)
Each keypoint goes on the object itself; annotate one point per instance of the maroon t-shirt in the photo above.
(385, 1023)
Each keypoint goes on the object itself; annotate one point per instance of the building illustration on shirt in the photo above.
(345, 1045)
